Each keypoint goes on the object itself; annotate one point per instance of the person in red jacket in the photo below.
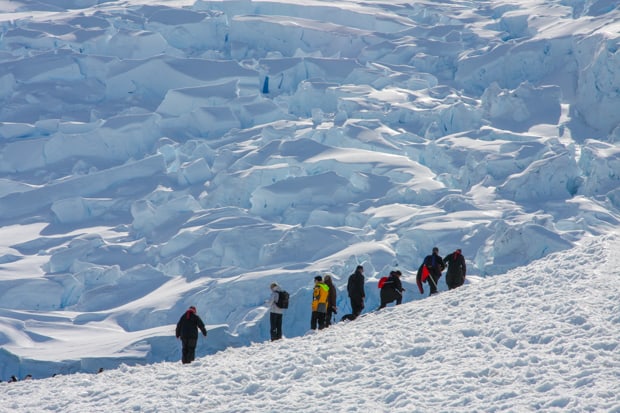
(187, 331)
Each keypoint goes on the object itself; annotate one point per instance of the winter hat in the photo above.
(318, 278)
(273, 285)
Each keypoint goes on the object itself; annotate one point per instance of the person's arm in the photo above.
(273, 298)
(201, 326)
(398, 285)
(178, 329)
(362, 282)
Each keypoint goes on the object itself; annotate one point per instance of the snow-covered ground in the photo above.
(543, 337)
(161, 154)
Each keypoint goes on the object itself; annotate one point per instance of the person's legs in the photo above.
(328, 317)
(383, 295)
(184, 356)
(275, 320)
(191, 349)
(314, 320)
(432, 282)
(357, 305)
(279, 326)
(321, 320)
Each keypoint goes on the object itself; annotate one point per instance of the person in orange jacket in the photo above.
(319, 303)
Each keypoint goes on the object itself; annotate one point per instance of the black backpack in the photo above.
(282, 299)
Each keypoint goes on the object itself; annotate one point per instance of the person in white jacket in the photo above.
(275, 313)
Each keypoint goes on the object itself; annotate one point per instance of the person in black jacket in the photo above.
(355, 288)
(187, 331)
(457, 270)
(392, 289)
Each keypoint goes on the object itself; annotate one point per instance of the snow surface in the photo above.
(160, 154)
(543, 337)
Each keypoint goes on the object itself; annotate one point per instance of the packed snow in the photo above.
(161, 154)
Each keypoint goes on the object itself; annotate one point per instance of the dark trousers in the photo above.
(357, 305)
(454, 282)
(399, 300)
(189, 349)
(329, 316)
(275, 321)
(318, 319)
(433, 280)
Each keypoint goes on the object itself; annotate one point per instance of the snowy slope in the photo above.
(543, 337)
(161, 154)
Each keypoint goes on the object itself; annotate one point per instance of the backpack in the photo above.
(282, 299)
(382, 281)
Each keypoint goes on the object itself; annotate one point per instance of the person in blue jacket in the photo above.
(430, 271)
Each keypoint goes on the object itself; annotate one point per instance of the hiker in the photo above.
(457, 270)
(187, 331)
(392, 289)
(332, 295)
(357, 295)
(430, 271)
(275, 312)
(319, 304)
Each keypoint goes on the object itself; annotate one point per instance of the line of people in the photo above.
(324, 297)
(324, 294)
(433, 265)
